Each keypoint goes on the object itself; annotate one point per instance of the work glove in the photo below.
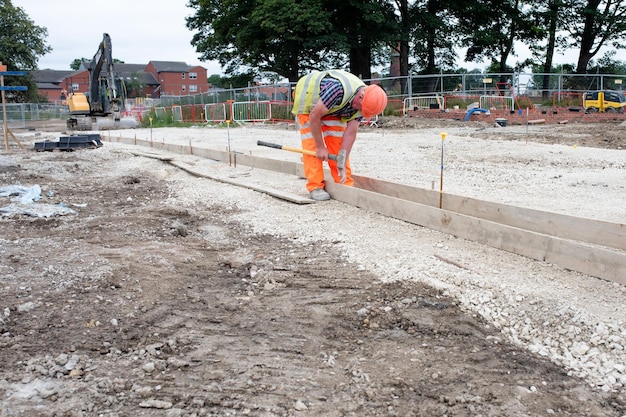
(341, 165)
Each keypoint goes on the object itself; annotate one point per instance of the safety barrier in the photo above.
(371, 121)
(251, 111)
(193, 113)
(177, 113)
(497, 102)
(215, 113)
(423, 102)
(281, 111)
(160, 113)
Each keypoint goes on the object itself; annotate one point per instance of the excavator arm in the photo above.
(106, 96)
(103, 94)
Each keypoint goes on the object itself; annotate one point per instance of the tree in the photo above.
(433, 35)
(609, 65)
(134, 86)
(362, 27)
(215, 80)
(596, 24)
(283, 36)
(21, 44)
(491, 27)
(403, 35)
(76, 63)
(292, 37)
(549, 18)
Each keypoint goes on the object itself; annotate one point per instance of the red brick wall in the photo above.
(172, 82)
(81, 78)
(550, 117)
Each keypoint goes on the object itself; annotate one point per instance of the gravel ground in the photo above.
(576, 321)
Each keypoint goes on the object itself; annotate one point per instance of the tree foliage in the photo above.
(433, 35)
(77, 62)
(593, 25)
(21, 44)
(490, 29)
(291, 37)
(283, 36)
(75, 65)
(363, 29)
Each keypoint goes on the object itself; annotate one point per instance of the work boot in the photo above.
(319, 194)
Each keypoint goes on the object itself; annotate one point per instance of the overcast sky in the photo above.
(142, 31)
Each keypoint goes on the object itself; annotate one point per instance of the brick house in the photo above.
(177, 78)
(50, 83)
(174, 78)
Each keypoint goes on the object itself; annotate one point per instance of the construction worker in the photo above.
(329, 106)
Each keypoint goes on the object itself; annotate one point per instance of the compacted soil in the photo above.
(134, 304)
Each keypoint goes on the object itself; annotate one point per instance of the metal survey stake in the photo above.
(228, 136)
(443, 137)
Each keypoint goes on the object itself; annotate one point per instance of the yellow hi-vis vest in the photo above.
(308, 91)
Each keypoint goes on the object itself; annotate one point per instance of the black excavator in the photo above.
(104, 102)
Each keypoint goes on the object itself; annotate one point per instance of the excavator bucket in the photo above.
(78, 103)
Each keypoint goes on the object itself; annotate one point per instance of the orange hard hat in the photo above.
(374, 101)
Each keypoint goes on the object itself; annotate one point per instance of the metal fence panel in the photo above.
(16, 115)
(251, 111)
(421, 103)
(215, 113)
(493, 102)
(442, 91)
(160, 112)
(177, 113)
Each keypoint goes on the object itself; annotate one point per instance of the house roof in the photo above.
(123, 68)
(48, 86)
(49, 76)
(49, 79)
(170, 66)
(52, 79)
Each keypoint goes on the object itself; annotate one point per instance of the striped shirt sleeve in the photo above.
(331, 92)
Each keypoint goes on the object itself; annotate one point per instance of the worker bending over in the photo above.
(329, 106)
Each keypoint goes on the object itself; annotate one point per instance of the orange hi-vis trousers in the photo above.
(332, 131)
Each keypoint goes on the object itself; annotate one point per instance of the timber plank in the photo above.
(595, 261)
(568, 241)
(593, 231)
(293, 198)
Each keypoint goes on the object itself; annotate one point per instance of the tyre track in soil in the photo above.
(215, 320)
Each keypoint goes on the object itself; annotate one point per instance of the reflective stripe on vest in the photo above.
(307, 91)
